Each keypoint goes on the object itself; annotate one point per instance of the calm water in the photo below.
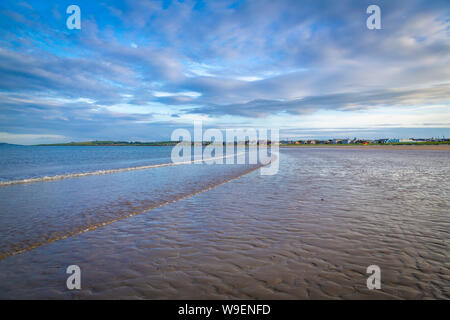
(225, 231)
(25, 162)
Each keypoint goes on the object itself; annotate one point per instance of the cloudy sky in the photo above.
(137, 70)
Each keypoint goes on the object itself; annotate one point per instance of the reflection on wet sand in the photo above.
(308, 232)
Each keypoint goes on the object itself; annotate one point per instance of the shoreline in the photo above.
(437, 147)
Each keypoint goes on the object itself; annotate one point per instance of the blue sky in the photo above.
(137, 70)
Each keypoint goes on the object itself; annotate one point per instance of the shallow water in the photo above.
(25, 162)
(225, 231)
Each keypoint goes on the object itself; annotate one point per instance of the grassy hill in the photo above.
(113, 143)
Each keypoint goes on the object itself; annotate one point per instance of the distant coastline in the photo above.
(444, 147)
(132, 143)
(428, 145)
(113, 143)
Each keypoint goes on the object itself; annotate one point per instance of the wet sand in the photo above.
(308, 232)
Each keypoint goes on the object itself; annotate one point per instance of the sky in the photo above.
(138, 70)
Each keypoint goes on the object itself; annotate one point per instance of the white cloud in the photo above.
(191, 94)
(25, 138)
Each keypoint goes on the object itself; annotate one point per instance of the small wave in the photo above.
(86, 228)
(108, 171)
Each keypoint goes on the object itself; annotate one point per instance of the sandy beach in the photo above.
(228, 232)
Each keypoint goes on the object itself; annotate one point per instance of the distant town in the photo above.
(288, 142)
(368, 141)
